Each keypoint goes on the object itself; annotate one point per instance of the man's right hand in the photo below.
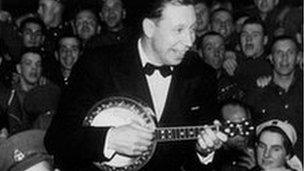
(263, 81)
(230, 65)
(132, 139)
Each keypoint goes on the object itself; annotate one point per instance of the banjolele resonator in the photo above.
(117, 111)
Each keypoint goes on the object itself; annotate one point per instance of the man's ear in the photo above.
(148, 27)
(73, 25)
(265, 41)
(299, 57)
(98, 30)
(18, 68)
(271, 58)
(124, 14)
(56, 55)
(287, 157)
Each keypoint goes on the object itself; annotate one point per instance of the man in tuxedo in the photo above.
(179, 89)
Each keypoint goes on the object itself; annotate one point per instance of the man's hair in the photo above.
(255, 20)
(102, 3)
(33, 20)
(200, 40)
(238, 103)
(34, 50)
(155, 8)
(220, 10)
(222, 4)
(283, 38)
(69, 35)
(286, 141)
(206, 2)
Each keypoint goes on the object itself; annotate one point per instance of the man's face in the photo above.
(271, 152)
(68, 52)
(213, 51)
(235, 114)
(266, 6)
(252, 40)
(30, 68)
(202, 16)
(46, 11)
(86, 24)
(32, 35)
(113, 13)
(284, 57)
(222, 23)
(173, 34)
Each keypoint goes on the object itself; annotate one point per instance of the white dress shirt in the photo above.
(158, 85)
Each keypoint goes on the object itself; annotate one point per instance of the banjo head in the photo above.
(117, 111)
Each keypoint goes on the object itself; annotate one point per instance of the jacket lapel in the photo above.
(173, 108)
(129, 77)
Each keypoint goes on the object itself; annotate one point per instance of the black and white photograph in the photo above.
(151, 85)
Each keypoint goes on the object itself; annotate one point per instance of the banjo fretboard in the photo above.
(178, 133)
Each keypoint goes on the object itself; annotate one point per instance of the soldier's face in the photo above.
(32, 35)
(30, 68)
(86, 24)
(69, 52)
(46, 11)
(271, 153)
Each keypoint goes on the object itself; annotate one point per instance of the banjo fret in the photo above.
(177, 133)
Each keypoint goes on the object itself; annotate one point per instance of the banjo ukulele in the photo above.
(117, 111)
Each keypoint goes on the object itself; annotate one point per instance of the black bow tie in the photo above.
(164, 70)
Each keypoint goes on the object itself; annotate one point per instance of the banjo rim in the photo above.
(138, 108)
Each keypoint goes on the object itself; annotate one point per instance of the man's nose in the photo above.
(223, 25)
(34, 66)
(285, 58)
(33, 36)
(218, 54)
(69, 52)
(248, 38)
(85, 23)
(266, 153)
(188, 38)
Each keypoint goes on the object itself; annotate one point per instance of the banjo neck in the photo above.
(165, 134)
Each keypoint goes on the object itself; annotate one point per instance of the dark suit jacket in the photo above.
(191, 101)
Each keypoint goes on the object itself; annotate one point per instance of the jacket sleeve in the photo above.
(67, 138)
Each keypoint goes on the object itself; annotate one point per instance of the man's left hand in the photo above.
(210, 140)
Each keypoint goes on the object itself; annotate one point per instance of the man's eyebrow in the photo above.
(276, 146)
(260, 142)
(256, 32)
